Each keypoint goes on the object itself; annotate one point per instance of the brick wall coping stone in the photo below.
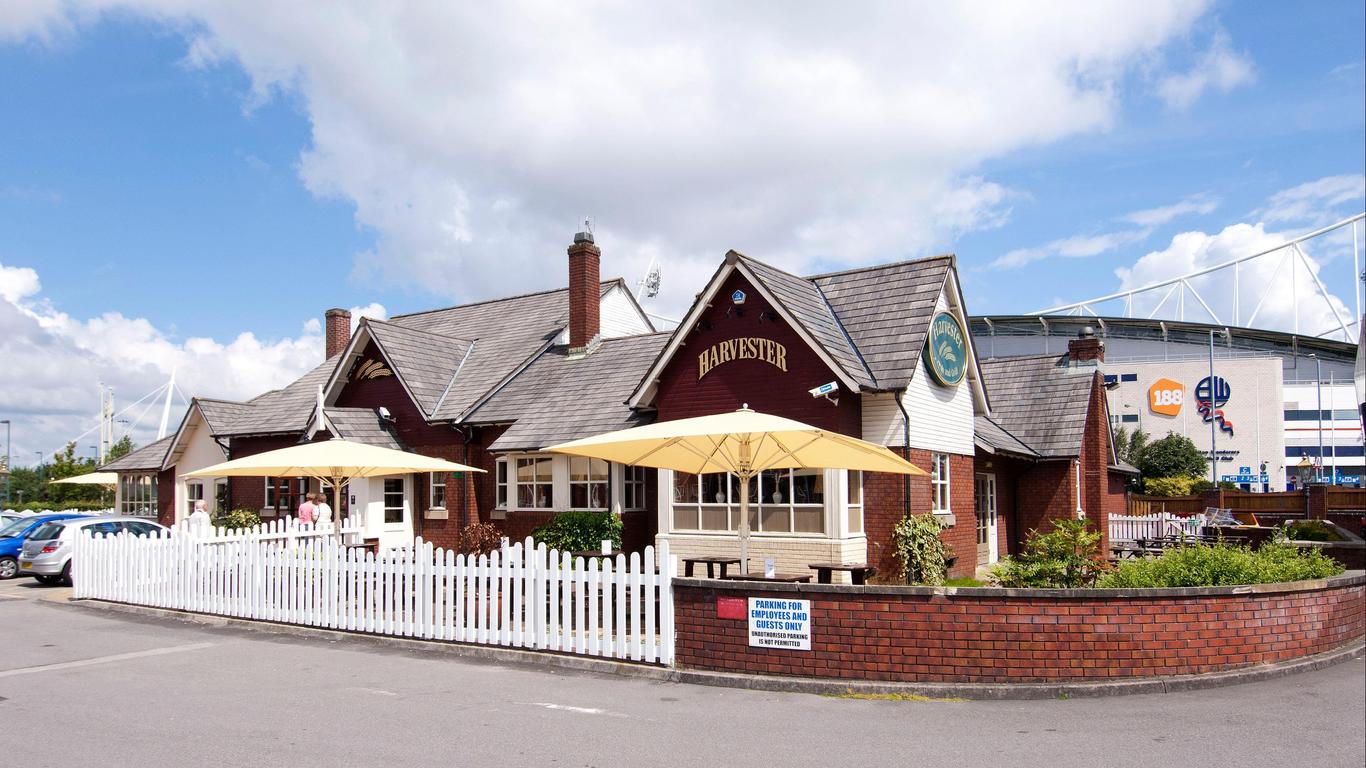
(1348, 579)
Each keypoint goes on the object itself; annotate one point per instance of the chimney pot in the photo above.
(1086, 348)
(338, 327)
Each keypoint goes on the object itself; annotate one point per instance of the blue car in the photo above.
(13, 535)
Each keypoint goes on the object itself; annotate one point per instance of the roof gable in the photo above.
(282, 411)
(148, 458)
(1041, 401)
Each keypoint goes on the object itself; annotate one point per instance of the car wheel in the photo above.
(47, 581)
(9, 568)
(65, 578)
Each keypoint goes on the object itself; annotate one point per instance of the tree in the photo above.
(1172, 456)
(66, 463)
(122, 448)
(1129, 445)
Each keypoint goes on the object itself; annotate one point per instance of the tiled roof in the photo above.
(1040, 401)
(149, 458)
(221, 414)
(804, 300)
(363, 425)
(425, 361)
(998, 438)
(558, 398)
(506, 333)
(886, 310)
(283, 410)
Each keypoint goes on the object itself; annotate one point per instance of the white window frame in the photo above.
(436, 480)
(633, 488)
(535, 483)
(138, 495)
(853, 483)
(384, 501)
(586, 465)
(502, 484)
(761, 504)
(194, 491)
(941, 485)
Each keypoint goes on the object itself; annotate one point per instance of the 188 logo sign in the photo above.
(1165, 397)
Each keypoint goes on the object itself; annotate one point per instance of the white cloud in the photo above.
(52, 362)
(1219, 68)
(1077, 246)
(1156, 217)
(1314, 203)
(466, 135)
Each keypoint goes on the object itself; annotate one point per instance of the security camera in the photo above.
(828, 391)
(384, 414)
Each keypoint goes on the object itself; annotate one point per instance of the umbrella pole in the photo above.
(744, 523)
(336, 506)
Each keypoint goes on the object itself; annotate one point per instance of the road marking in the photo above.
(579, 710)
(103, 659)
(377, 691)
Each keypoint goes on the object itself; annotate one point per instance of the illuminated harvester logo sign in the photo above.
(745, 348)
(1210, 397)
(946, 350)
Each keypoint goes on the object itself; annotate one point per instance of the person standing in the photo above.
(322, 512)
(200, 524)
(307, 510)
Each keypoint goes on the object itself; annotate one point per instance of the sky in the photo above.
(186, 185)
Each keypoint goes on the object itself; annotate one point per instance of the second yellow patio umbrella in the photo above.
(743, 443)
(331, 461)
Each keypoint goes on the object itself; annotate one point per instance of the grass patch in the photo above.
(965, 581)
(891, 697)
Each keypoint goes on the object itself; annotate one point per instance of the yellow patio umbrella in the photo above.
(107, 479)
(743, 443)
(331, 461)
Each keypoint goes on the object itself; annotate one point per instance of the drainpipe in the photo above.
(465, 482)
(905, 453)
(1081, 513)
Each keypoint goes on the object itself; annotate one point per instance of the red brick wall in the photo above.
(882, 508)
(585, 293)
(764, 386)
(166, 496)
(338, 331)
(1095, 462)
(250, 492)
(912, 635)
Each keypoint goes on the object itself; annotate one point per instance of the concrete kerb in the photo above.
(771, 683)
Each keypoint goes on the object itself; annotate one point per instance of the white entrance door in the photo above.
(984, 503)
(395, 511)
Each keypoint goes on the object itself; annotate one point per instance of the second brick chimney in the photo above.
(585, 293)
(338, 325)
(1086, 348)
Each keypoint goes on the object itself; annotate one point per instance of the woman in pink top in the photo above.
(306, 509)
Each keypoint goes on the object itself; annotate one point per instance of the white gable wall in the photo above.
(199, 451)
(618, 316)
(941, 418)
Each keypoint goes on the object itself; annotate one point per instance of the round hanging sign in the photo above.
(946, 350)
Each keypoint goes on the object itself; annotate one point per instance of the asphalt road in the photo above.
(79, 687)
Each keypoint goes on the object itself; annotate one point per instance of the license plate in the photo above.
(25, 564)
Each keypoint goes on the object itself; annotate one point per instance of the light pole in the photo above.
(1213, 457)
(7, 458)
(1318, 408)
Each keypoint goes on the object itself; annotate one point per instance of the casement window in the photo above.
(138, 495)
(633, 488)
(535, 483)
(193, 492)
(782, 501)
(282, 494)
(500, 476)
(393, 500)
(939, 485)
(854, 500)
(588, 483)
(436, 491)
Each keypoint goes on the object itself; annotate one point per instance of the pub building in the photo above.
(878, 353)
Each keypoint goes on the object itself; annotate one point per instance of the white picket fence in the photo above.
(522, 596)
(1133, 527)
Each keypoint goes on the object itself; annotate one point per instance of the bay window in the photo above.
(780, 501)
(588, 483)
(854, 501)
(138, 495)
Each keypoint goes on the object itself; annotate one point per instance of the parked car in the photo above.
(47, 551)
(8, 517)
(12, 539)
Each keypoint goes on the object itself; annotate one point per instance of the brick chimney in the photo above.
(585, 293)
(338, 324)
(1086, 348)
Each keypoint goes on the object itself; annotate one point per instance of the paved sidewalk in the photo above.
(154, 693)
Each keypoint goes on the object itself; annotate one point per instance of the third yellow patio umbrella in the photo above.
(331, 461)
(743, 443)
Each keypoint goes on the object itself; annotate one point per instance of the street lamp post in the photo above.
(7, 459)
(1213, 456)
(1318, 408)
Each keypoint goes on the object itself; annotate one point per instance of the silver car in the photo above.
(47, 551)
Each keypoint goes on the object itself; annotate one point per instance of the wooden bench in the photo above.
(785, 578)
(711, 563)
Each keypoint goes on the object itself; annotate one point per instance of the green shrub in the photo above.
(59, 506)
(237, 518)
(919, 550)
(1067, 557)
(1169, 486)
(579, 531)
(1220, 565)
(1310, 530)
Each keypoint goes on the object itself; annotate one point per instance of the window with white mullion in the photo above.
(588, 483)
(633, 488)
(535, 482)
(436, 491)
(780, 501)
(941, 499)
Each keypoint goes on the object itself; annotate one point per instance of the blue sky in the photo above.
(172, 172)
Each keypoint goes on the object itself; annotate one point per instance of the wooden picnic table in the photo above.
(858, 572)
(587, 553)
(711, 563)
(785, 578)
